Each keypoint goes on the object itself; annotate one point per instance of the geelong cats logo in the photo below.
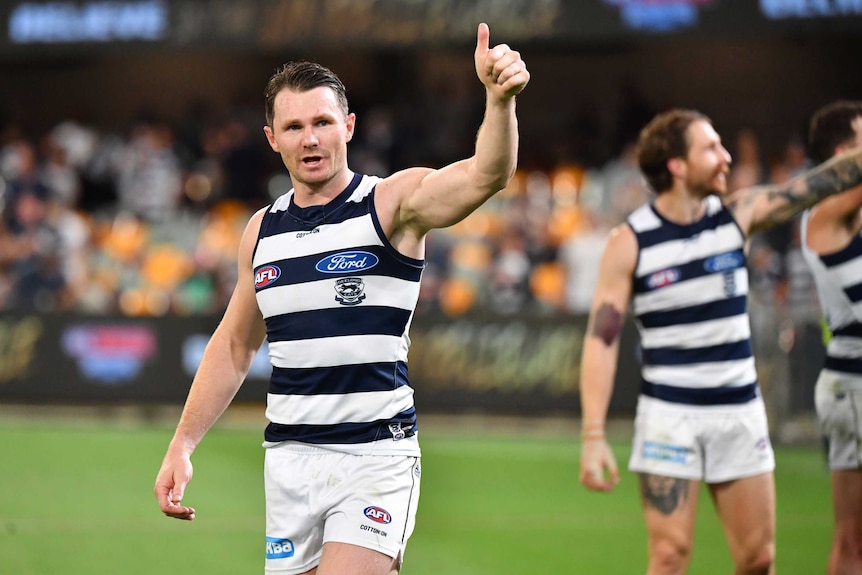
(350, 291)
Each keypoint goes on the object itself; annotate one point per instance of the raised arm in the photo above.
(224, 365)
(761, 207)
(417, 200)
(834, 221)
(600, 354)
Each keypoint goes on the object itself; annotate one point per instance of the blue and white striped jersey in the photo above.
(338, 301)
(838, 276)
(689, 302)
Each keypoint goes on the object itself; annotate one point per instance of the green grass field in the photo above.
(77, 499)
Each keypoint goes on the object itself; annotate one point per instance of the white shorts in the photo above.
(711, 444)
(839, 413)
(314, 496)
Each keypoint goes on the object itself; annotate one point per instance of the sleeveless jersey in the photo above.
(838, 276)
(689, 303)
(338, 301)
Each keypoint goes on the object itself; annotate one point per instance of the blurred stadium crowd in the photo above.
(146, 221)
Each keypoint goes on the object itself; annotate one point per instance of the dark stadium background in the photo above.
(600, 69)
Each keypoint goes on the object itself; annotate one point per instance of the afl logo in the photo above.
(377, 515)
(663, 278)
(347, 262)
(265, 276)
(723, 262)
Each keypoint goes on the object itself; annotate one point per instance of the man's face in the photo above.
(310, 132)
(708, 162)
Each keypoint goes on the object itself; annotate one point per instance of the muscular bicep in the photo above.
(444, 197)
(416, 200)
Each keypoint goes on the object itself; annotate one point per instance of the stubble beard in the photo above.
(711, 186)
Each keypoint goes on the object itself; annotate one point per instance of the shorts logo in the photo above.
(351, 291)
(347, 262)
(666, 452)
(278, 548)
(377, 514)
(396, 431)
(663, 278)
(265, 276)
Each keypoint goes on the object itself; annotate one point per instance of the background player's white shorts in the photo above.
(711, 443)
(839, 413)
(315, 495)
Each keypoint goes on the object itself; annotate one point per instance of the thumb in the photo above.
(177, 492)
(482, 37)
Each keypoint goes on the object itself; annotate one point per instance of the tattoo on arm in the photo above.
(665, 494)
(608, 324)
(744, 202)
(835, 176)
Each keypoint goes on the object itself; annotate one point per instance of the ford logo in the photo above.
(723, 262)
(347, 262)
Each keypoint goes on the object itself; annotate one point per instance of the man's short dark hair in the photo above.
(832, 126)
(302, 76)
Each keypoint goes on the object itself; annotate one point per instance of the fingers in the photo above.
(599, 470)
(179, 511)
(595, 480)
(513, 77)
(170, 503)
(169, 493)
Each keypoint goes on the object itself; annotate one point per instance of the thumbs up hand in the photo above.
(500, 68)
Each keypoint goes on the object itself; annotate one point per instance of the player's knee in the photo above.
(757, 560)
(667, 556)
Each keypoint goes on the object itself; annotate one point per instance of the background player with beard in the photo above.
(680, 263)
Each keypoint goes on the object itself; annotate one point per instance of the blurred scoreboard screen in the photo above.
(57, 25)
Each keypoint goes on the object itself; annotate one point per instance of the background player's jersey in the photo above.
(689, 301)
(838, 277)
(338, 301)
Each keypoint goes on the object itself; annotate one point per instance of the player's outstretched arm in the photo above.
(421, 199)
(599, 357)
(761, 207)
(223, 368)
